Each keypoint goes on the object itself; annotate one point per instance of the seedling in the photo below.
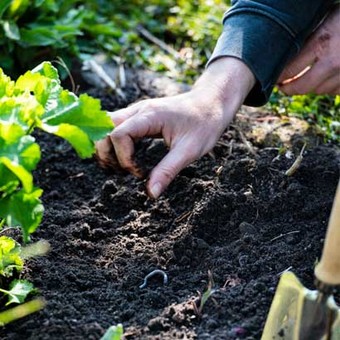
(205, 296)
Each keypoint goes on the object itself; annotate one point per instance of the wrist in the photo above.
(227, 81)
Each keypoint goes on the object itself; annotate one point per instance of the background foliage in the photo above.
(33, 31)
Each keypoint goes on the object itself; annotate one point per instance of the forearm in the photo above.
(226, 82)
(265, 34)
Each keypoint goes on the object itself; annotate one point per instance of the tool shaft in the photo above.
(328, 269)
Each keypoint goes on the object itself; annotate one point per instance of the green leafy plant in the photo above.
(11, 264)
(18, 291)
(12, 257)
(32, 31)
(37, 100)
(322, 111)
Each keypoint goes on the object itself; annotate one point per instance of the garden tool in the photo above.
(297, 313)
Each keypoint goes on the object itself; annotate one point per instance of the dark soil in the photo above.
(234, 214)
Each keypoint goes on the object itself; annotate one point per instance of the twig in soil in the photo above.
(218, 173)
(211, 155)
(61, 62)
(80, 174)
(244, 140)
(286, 270)
(283, 235)
(121, 71)
(219, 170)
(5, 229)
(183, 216)
(155, 272)
(221, 143)
(231, 282)
(231, 148)
(149, 36)
(297, 163)
(100, 72)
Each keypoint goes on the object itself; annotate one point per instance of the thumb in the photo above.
(167, 169)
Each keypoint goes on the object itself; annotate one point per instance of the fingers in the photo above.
(105, 153)
(166, 170)
(124, 135)
(118, 117)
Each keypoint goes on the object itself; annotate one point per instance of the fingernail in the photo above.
(156, 190)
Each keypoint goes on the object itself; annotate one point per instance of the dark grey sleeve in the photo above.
(265, 34)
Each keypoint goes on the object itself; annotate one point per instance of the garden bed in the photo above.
(232, 213)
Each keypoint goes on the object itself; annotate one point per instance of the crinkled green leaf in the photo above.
(44, 88)
(89, 117)
(19, 171)
(9, 256)
(6, 84)
(46, 69)
(78, 120)
(10, 132)
(24, 110)
(19, 289)
(84, 113)
(23, 209)
(75, 136)
(20, 157)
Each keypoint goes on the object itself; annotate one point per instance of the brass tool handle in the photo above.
(328, 269)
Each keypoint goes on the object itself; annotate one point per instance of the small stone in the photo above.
(157, 324)
(259, 286)
(243, 260)
(247, 228)
(291, 239)
(212, 324)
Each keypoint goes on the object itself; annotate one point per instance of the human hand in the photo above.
(190, 123)
(316, 69)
